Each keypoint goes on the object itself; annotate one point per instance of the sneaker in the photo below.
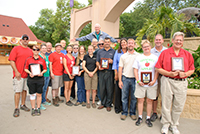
(25, 108)
(123, 117)
(33, 112)
(174, 130)
(83, 104)
(47, 100)
(88, 105)
(42, 107)
(93, 105)
(154, 116)
(133, 117)
(55, 103)
(77, 103)
(148, 122)
(59, 100)
(46, 103)
(69, 103)
(138, 122)
(164, 130)
(16, 112)
(99, 103)
(37, 112)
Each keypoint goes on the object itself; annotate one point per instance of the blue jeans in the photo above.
(128, 84)
(81, 93)
(46, 83)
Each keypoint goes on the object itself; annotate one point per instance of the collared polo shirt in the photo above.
(90, 62)
(32, 61)
(156, 52)
(126, 61)
(116, 60)
(57, 63)
(105, 54)
(165, 60)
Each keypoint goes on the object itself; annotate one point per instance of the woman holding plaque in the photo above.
(35, 67)
(146, 77)
(81, 93)
(90, 75)
(118, 93)
(68, 77)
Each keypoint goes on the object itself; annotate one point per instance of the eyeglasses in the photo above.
(100, 44)
(36, 49)
(75, 48)
(25, 39)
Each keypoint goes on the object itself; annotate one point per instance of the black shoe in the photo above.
(69, 103)
(117, 111)
(154, 116)
(37, 112)
(148, 122)
(138, 122)
(33, 112)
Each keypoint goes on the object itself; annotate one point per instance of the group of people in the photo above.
(136, 75)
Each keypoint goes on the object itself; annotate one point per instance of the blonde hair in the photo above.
(144, 42)
(131, 39)
(79, 55)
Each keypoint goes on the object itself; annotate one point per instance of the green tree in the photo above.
(165, 22)
(44, 27)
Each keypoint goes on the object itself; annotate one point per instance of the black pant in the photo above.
(73, 90)
(106, 84)
(118, 96)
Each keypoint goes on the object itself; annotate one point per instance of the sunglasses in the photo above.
(100, 44)
(36, 49)
(25, 39)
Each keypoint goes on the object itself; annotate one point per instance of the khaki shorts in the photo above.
(20, 85)
(90, 83)
(57, 82)
(149, 92)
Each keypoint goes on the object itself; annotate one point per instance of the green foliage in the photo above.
(86, 30)
(165, 22)
(193, 83)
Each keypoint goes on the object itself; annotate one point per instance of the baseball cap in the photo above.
(25, 36)
(58, 44)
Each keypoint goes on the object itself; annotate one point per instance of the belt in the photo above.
(177, 79)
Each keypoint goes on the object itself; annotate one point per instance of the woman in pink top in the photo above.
(68, 62)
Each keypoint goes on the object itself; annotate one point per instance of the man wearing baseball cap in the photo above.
(56, 72)
(17, 59)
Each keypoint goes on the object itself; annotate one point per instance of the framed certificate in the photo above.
(146, 77)
(35, 69)
(104, 63)
(75, 70)
(177, 63)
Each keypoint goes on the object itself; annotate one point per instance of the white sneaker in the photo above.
(99, 103)
(164, 130)
(174, 130)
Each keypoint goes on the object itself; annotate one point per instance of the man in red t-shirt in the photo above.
(175, 64)
(56, 72)
(17, 59)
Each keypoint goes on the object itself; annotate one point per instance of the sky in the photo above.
(29, 10)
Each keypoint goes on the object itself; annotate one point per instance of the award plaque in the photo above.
(177, 63)
(35, 69)
(104, 63)
(146, 77)
(75, 70)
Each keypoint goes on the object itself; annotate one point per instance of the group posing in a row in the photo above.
(141, 75)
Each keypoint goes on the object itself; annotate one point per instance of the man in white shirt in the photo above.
(127, 80)
(157, 50)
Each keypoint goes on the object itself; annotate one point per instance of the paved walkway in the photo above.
(71, 120)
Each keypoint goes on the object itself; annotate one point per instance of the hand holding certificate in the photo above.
(75, 70)
(146, 77)
(104, 63)
(177, 63)
(35, 69)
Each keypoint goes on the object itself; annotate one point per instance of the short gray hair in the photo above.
(144, 42)
(178, 34)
